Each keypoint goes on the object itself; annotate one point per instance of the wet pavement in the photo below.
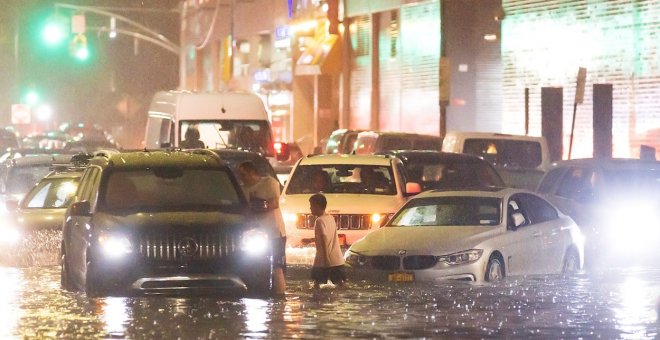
(606, 304)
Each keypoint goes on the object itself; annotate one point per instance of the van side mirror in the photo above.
(82, 208)
(413, 188)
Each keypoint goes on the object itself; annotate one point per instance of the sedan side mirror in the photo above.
(413, 188)
(82, 208)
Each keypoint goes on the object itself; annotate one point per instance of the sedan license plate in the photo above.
(400, 277)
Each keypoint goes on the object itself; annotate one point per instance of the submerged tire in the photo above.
(571, 262)
(65, 276)
(494, 269)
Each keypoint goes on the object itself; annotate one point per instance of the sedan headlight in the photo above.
(463, 257)
(354, 259)
(255, 242)
(114, 246)
(10, 236)
(633, 226)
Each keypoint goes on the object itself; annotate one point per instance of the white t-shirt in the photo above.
(268, 188)
(328, 250)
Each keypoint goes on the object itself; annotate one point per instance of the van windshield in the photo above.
(253, 135)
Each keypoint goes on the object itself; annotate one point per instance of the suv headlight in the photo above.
(255, 242)
(462, 257)
(379, 220)
(114, 246)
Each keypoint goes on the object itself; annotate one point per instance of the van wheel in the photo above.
(494, 269)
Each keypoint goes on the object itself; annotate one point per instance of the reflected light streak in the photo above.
(115, 315)
(10, 311)
(256, 316)
(636, 308)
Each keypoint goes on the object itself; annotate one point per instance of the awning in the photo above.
(320, 57)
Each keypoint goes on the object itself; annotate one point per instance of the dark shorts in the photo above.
(279, 252)
(335, 274)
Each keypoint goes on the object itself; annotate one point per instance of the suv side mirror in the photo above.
(82, 208)
(413, 188)
(258, 206)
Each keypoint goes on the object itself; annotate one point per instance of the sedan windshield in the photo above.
(51, 193)
(174, 189)
(449, 211)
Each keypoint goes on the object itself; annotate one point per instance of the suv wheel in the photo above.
(65, 277)
(93, 286)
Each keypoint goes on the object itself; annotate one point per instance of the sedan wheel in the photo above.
(571, 262)
(495, 269)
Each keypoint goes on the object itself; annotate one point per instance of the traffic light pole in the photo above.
(150, 35)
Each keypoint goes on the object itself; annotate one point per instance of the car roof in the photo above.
(156, 158)
(73, 173)
(406, 155)
(499, 192)
(40, 159)
(611, 163)
(346, 159)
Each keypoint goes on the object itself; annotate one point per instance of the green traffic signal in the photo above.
(79, 49)
(32, 97)
(55, 31)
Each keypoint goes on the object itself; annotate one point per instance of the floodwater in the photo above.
(608, 304)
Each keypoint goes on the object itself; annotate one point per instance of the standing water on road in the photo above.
(609, 304)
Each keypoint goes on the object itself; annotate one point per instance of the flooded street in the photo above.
(608, 304)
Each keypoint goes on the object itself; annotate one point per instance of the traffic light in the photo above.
(55, 30)
(78, 47)
(31, 97)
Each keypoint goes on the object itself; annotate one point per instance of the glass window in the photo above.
(506, 153)
(577, 184)
(253, 135)
(550, 180)
(171, 189)
(449, 211)
(52, 193)
(22, 179)
(538, 210)
(342, 178)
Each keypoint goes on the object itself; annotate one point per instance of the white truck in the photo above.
(520, 160)
(236, 120)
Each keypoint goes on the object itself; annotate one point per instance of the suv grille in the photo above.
(176, 247)
(344, 221)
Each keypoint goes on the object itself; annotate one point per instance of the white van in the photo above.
(224, 120)
(520, 160)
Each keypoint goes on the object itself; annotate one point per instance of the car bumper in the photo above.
(473, 272)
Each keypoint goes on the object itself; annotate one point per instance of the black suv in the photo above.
(162, 222)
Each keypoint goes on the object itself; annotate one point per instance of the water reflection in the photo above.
(10, 311)
(115, 315)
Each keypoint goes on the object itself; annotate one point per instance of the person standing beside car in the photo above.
(329, 259)
(267, 188)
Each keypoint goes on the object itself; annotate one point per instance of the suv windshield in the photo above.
(449, 211)
(342, 178)
(170, 188)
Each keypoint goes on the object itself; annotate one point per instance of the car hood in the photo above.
(344, 203)
(423, 240)
(154, 220)
(40, 219)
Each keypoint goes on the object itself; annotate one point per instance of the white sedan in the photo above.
(472, 236)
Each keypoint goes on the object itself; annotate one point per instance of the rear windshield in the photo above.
(342, 178)
(171, 189)
(439, 175)
(506, 153)
(21, 179)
